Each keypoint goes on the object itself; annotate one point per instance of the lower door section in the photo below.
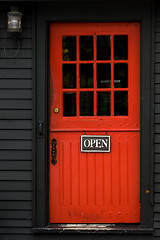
(95, 187)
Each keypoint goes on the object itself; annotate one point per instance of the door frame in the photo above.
(53, 12)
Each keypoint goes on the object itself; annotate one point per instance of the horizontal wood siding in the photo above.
(16, 129)
(157, 127)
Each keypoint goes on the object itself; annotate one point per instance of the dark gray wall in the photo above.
(157, 126)
(16, 134)
(15, 129)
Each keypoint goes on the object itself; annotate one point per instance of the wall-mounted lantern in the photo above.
(14, 20)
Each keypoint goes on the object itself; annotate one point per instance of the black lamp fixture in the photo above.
(14, 20)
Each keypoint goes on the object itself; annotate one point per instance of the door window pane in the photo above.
(86, 75)
(69, 104)
(86, 103)
(69, 48)
(121, 75)
(86, 48)
(103, 75)
(103, 48)
(121, 47)
(69, 75)
(103, 103)
(121, 103)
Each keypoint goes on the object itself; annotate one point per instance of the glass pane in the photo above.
(103, 48)
(121, 103)
(121, 75)
(121, 47)
(69, 48)
(86, 48)
(103, 75)
(103, 103)
(69, 104)
(86, 103)
(86, 75)
(69, 75)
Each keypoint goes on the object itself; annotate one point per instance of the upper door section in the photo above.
(95, 76)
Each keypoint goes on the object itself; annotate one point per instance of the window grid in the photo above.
(95, 90)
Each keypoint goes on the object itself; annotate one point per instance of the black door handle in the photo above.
(54, 151)
(40, 128)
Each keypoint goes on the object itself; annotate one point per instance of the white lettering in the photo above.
(98, 143)
(93, 141)
(87, 143)
(104, 143)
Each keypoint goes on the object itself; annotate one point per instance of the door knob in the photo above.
(56, 110)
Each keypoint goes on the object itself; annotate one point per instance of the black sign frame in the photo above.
(95, 143)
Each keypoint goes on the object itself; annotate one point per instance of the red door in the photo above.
(94, 90)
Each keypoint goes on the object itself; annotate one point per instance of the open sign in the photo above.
(95, 143)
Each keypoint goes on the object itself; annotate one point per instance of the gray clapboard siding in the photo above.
(16, 205)
(157, 81)
(15, 214)
(156, 77)
(19, 236)
(15, 155)
(157, 124)
(157, 86)
(157, 47)
(157, 224)
(157, 107)
(157, 67)
(157, 178)
(15, 94)
(16, 175)
(15, 64)
(157, 148)
(15, 114)
(14, 230)
(22, 54)
(16, 129)
(157, 98)
(15, 165)
(16, 104)
(15, 124)
(9, 44)
(156, 188)
(13, 195)
(157, 27)
(157, 40)
(157, 138)
(26, 33)
(157, 168)
(156, 157)
(15, 185)
(16, 83)
(15, 73)
(157, 118)
(157, 57)
(16, 145)
(15, 223)
(14, 134)
(157, 128)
